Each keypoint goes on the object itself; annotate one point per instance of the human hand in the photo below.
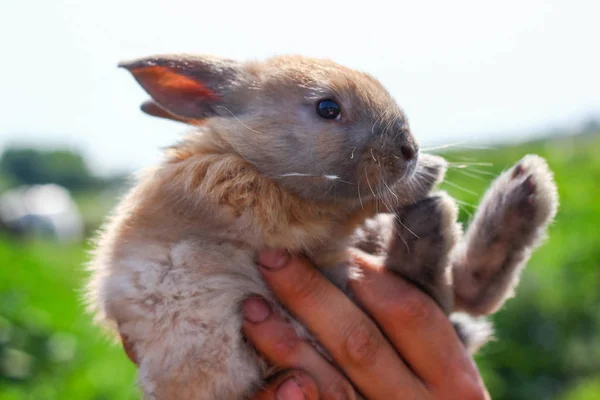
(408, 350)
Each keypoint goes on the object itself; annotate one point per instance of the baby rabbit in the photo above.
(291, 153)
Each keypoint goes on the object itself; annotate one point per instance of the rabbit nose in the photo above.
(406, 144)
(408, 151)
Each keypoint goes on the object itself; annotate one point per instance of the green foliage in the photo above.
(548, 336)
(49, 348)
(29, 166)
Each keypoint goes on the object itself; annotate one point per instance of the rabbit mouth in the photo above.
(391, 168)
(387, 179)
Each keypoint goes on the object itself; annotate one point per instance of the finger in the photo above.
(128, 347)
(416, 326)
(276, 339)
(354, 341)
(291, 385)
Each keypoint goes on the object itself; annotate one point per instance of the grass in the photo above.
(48, 346)
(548, 343)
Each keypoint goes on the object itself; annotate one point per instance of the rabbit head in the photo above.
(321, 130)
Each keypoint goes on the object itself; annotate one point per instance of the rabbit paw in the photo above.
(510, 222)
(423, 236)
(530, 195)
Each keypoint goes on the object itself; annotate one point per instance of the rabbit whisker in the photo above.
(238, 120)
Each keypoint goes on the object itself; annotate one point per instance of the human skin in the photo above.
(401, 346)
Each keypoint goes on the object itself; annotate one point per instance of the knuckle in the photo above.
(287, 348)
(472, 394)
(469, 388)
(339, 389)
(412, 308)
(308, 287)
(363, 342)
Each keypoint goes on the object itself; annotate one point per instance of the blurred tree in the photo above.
(32, 166)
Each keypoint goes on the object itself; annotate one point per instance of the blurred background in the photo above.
(482, 83)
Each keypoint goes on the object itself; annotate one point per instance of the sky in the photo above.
(462, 70)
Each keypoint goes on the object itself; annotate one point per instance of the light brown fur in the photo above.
(208, 188)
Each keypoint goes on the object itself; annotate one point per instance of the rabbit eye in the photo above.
(329, 109)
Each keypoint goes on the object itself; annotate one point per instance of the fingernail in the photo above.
(256, 310)
(290, 390)
(273, 259)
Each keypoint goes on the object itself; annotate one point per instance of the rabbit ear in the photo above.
(151, 108)
(189, 87)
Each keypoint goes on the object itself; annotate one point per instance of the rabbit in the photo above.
(304, 155)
